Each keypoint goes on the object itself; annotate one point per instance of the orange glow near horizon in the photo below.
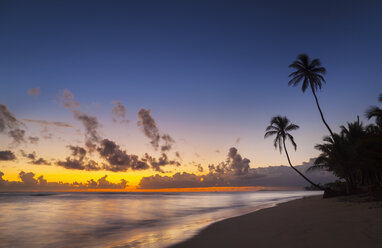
(176, 190)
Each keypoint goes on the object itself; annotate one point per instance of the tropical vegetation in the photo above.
(280, 126)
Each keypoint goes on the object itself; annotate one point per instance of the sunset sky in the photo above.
(188, 79)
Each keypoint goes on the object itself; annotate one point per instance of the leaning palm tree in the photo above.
(376, 112)
(281, 126)
(310, 73)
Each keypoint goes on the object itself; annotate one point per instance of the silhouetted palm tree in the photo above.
(376, 112)
(311, 75)
(281, 126)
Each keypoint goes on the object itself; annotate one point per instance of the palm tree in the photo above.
(376, 112)
(281, 126)
(310, 73)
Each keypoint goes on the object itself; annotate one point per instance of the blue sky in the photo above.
(210, 71)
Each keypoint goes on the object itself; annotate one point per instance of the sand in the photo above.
(309, 222)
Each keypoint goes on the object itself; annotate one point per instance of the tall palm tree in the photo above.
(376, 112)
(281, 126)
(310, 73)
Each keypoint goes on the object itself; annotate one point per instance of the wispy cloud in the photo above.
(35, 92)
(49, 123)
(118, 112)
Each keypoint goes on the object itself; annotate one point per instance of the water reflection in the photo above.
(120, 219)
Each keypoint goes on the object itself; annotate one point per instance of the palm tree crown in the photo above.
(310, 73)
(376, 112)
(281, 126)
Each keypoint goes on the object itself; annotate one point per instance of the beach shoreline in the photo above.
(307, 222)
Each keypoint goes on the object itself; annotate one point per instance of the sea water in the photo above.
(138, 220)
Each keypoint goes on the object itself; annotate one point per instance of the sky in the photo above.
(209, 74)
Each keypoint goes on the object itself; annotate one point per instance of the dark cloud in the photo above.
(7, 119)
(33, 159)
(235, 171)
(119, 112)
(33, 140)
(49, 123)
(149, 127)
(168, 142)
(18, 135)
(102, 183)
(30, 182)
(118, 159)
(199, 167)
(91, 126)
(78, 160)
(162, 161)
(237, 163)
(222, 175)
(89, 122)
(7, 155)
(34, 92)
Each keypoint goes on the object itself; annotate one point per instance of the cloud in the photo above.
(91, 126)
(162, 161)
(67, 100)
(34, 92)
(236, 163)
(9, 122)
(89, 122)
(177, 154)
(7, 119)
(7, 155)
(118, 159)
(30, 182)
(18, 135)
(46, 134)
(199, 167)
(119, 112)
(78, 160)
(33, 159)
(102, 183)
(149, 127)
(168, 142)
(33, 140)
(49, 123)
(234, 172)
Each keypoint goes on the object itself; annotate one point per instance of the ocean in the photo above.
(123, 220)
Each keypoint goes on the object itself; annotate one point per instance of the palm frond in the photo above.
(292, 127)
(269, 133)
(292, 141)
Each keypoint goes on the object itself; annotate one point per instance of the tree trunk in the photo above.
(307, 179)
(322, 116)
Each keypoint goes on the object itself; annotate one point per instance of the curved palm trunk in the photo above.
(322, 116)
(307, 179)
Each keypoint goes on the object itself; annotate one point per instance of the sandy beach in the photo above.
(309, 222)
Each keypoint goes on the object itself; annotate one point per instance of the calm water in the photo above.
(121, 219)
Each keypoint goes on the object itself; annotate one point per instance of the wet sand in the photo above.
(309, 222)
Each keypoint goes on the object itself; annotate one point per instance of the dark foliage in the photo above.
(354, 155)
